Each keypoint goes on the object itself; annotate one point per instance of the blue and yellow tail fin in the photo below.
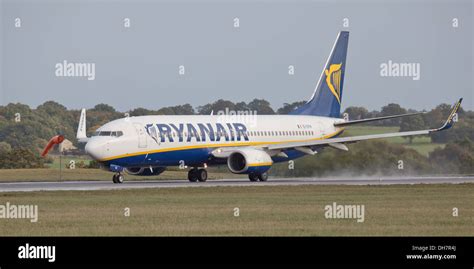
(327, 97)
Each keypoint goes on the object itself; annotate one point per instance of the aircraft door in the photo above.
(321, 129)
(142, 137)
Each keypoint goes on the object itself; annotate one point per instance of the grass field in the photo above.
(422, 144)
(277, 210)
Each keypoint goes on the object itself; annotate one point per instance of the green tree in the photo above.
(412, 123)
(357, 112)
(219, 106)
(389, 110)
(454, 158)
(288, 107)
(104, 108)
(142, 112)
(261, 106)
(5, 148)
(185, 109)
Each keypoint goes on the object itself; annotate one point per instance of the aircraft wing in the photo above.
(345, 123)
(341, 140)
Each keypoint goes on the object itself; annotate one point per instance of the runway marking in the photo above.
(105, 185)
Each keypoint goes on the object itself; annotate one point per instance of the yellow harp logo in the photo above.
(333, 79)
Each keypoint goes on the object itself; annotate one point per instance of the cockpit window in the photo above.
(108, 133)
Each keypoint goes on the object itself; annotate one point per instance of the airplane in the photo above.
(147, 145)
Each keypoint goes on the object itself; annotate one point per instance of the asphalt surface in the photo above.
(106, 185)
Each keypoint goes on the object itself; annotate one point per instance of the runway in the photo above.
(106, 185)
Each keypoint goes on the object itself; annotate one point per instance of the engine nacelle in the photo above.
(246, 161)
(144, 171)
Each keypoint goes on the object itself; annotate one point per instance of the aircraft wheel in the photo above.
(201, 175)
(114, 178)
(119, 178)
(253, 177)
(263, 176)
(192, 175)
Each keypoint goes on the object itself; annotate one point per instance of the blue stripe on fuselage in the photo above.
(191, 157)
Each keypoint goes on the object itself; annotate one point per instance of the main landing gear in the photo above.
(118, 178)
(257, 177)
(196, 174)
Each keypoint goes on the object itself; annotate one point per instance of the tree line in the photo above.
(24, 131)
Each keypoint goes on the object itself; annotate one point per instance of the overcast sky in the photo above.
(138, 66)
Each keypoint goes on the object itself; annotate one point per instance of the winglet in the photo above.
(450, 122)
(81, 128)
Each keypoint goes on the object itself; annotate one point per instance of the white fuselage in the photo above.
(138, 141)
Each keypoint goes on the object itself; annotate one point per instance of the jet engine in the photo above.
(246, 161)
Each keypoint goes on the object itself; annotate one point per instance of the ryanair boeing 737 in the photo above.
(146, 145)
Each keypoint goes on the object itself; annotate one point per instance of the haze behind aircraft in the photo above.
(146, 145)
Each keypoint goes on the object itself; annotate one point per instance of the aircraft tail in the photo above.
(327, 97)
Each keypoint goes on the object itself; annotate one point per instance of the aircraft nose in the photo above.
(93, 148)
